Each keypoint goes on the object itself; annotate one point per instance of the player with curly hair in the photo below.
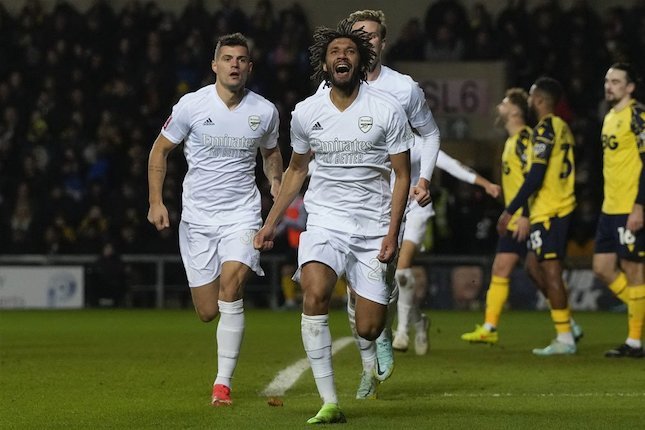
(358, 137)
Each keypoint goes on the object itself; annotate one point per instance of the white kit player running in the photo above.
(222, 127)
(358, 136)
(411, 293)
(424, 155)
(412, 99)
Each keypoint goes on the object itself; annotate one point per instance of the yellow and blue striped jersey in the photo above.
(515, 166)
(623, 142)
(553, 143)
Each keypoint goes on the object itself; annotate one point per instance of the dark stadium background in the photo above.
(86, 85)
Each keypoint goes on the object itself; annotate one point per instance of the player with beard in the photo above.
(358, 137)
(423, 156)
(550, 187)
(512, 114)
(620, 237)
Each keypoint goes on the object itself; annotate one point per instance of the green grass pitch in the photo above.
(147, 369)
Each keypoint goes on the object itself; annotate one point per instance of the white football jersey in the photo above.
(349, 190)
(408, 93)
(411, 97)
(221, 147)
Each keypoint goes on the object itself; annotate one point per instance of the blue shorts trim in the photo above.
(549, 239)
(613, 238)
(507, 244)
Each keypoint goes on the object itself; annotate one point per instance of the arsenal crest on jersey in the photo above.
(254, 122)
(365, 123)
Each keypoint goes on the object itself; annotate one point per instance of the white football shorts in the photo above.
(205, 248)
(416, 222)
(352, 255)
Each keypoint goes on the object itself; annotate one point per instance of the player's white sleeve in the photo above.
(455, 168)
(270, 139)
(177, 126)
(429, 151)
(399, 136)
(422, 120)
(299, 139)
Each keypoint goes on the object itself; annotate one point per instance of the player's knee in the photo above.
(404, 278)
(603, 272)
(536, 271)
(230, 290)
(314, 304)
(207, 313)
(502, 268)
(633, 272)
(368, 328)
(553, 279)
(369, 332)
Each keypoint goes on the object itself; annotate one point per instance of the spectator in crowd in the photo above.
(69, 76)
(92, 230)
(23, 223)
(444, 45)
(450, 13)
(482, 45)
(107, 286)
(410, 44)
(60, 236)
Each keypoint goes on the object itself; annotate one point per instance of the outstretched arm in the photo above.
(157, 164)
(272, 166)
(466, 174)
(292, 181)
(491, 189)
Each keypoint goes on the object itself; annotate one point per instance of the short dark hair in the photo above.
(233, 39)
(323, 36)
(551, 87)
(630, 72)
(519, 98)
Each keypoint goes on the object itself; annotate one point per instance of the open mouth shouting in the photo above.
(342, 70)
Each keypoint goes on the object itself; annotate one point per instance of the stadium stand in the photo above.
(82, 95)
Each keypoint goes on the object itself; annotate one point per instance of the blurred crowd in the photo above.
(84, 94)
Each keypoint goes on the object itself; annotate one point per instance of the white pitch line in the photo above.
(288, 376)
(501, 395)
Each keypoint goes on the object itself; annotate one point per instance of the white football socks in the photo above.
(366, 348)
(230, 331)
(408, 312)
(316, 339)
